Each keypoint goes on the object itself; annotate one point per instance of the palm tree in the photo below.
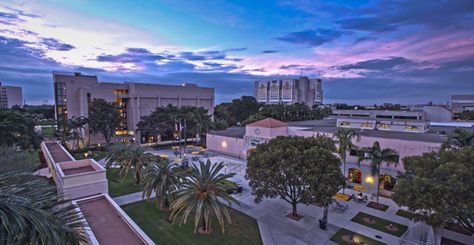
(344, 138)
(77, 125)
(202, 194)
(163, 179)
(129, 157)
(202, 120)
(459, 138)
(377, 157)
(32, 213)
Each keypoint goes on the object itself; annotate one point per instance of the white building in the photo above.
(289, 91)
(10, 96)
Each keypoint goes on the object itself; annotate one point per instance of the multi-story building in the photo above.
(385, 120)
(10, 96)
(75, 92)
(460, 103)
(289, 91)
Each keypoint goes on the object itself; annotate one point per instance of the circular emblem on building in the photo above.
(257, 131)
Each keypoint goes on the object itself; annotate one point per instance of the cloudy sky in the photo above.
(367, 52)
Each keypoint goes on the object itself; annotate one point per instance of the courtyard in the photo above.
(268, 217)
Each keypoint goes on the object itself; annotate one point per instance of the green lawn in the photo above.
(243, 230)
(380, 224)
(121, 186)
(356, 236)
(48, 132)
(404, 213)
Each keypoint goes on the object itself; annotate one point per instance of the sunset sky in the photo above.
(366, 52)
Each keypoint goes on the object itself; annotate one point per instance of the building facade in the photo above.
(460, 103)
(289, 91)
(75, 92)
(10, 96)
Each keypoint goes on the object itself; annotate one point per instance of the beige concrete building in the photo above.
(289, 91)
(74, 93)
(239, 142)
(10, 96)
(84, 182)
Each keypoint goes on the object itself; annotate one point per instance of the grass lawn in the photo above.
(404, 213)
(48, 132)
(357, 238)
(243, 230)
(379, 224)
(121, 186)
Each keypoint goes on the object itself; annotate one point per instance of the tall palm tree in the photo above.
(129, 157)
(77, 126)
(202, 194)
(163, 179)
(32, 213)
(378, 156)
(344, 138)
(202, 120)
(459, 138)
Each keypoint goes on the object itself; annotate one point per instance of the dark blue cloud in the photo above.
(269, 51)
(55, 44)
(377, 64)
(311, 38)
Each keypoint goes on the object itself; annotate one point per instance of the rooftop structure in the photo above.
(84, 181)
(460, 103)
(74, 92)
(10, 96)
(108, 223)
(386, 120)
(289, 91)
(74, 178)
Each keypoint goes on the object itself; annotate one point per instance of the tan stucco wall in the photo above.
(225, 145)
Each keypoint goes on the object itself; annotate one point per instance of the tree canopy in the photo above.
(103, 118)
(438, 187)
(17, 129)
(32, 213)
(459, 138)
(162, 121)
(295, 169)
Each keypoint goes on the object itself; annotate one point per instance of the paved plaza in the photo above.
(270, 214)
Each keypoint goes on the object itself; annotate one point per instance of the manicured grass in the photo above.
(380, 224)
(358, 238)
(154, 222)
(48, 132)
(96, 155)
(121, 186)
(404, 213)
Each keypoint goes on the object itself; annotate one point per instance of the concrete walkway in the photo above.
(131, 198)
(276, 228)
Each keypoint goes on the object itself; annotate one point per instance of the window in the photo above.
(287, 91)
(262, 91)
(274, 93)
(60, 99)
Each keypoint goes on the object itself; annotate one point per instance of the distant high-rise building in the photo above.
(289, 91)
(10, 96)
(74, 93)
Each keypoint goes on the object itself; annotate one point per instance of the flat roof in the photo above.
(236, 132)
(58, 153)
(106, 223)
(79, 170)
(329, 126)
